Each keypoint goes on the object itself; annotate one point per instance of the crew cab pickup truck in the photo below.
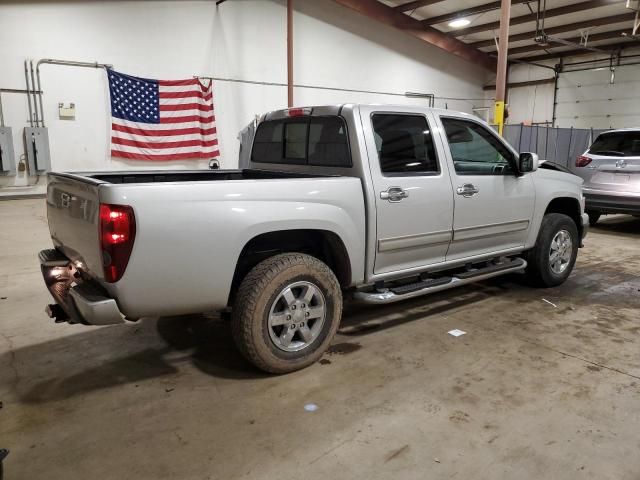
(370, 203)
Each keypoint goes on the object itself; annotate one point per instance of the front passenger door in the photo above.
(493, 206)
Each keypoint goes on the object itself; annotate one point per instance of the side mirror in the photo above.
(527, 162)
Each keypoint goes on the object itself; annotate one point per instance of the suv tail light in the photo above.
(582, 161)
(117, 233)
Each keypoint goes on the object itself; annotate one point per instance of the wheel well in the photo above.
(568, 206)
(322, 244)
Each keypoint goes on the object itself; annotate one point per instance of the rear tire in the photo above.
(552, 259)
(287, 311)
(593, 216)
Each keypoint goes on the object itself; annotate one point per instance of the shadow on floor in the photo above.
(99, 358)
(361, 320)
(620, 225)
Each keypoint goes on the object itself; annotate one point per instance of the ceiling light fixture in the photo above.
(459, 22)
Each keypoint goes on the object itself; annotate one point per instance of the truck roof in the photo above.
(336, 109)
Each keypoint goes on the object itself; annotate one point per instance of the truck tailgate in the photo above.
(73, 212)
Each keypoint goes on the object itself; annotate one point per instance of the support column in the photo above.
(290, 53)
(501, 74)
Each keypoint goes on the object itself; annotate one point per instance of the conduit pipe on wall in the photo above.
(430, 97)
(26, 79)
(52, 61)
(12, 90)
(35, 95)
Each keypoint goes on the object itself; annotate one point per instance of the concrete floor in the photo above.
(532, 391)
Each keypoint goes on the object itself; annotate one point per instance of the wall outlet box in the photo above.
(67, 112)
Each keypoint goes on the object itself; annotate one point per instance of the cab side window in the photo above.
(404, 144)
(475, 150)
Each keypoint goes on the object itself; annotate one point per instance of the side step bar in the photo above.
(457, 280)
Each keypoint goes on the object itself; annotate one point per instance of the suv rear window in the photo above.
(617, 144)
(318, 141)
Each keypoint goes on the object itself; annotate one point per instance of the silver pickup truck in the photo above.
(368, 202)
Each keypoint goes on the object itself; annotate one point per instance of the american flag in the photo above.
(161, 119)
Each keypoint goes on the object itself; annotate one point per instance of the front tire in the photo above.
(287, 311)
(552, 259)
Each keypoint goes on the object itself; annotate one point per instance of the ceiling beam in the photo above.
(531, 17)
(389, 16)
(596, 37)
(569, 27)
(487, 7)
(405, 7)
(583, 51)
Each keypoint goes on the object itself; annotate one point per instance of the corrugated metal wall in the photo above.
(559, 145)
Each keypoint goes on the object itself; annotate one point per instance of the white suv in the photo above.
(611, 172)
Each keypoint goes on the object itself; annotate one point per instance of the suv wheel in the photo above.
(286, 312)
(551, 261)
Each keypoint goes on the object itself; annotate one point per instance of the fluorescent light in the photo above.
(459, 22)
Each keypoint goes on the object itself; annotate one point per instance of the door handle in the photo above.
(467, 190)
(394, 194)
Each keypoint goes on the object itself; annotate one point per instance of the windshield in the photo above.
(618, 144)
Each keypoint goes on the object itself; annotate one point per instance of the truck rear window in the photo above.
(318, 141)
(617, 144)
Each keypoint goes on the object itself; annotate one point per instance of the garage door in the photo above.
(589, 100)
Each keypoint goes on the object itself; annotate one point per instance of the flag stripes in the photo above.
(161, 119)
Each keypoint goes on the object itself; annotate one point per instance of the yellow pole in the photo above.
(498, 116)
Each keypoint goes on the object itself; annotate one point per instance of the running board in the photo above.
(389, 296)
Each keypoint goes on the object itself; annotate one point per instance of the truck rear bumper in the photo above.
(77, 301)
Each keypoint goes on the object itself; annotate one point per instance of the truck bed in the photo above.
(190, 231)
(157, 176)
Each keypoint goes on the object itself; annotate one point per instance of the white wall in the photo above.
(585, 99)
(532, 104)
(241, 39)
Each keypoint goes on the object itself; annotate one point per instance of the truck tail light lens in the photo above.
(582, 161)
(117, 234)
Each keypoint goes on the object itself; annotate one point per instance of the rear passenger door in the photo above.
(493, 205)
(413, 194)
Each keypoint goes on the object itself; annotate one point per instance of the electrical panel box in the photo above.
(7, 155)
(67, 113)
(36, 141)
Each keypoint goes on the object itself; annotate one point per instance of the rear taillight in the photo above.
(582, 161)
(117, 233)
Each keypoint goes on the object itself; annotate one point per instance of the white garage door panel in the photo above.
(598, 107)
(588, 99)
(617, 91)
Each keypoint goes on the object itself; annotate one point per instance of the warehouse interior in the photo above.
(536, 383)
